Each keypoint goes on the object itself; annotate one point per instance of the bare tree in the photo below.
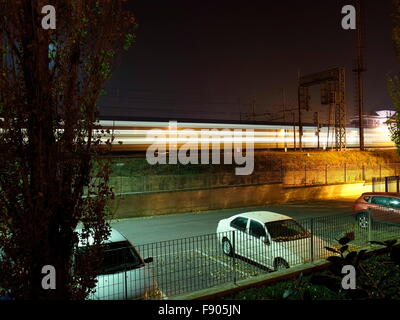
(53, 169)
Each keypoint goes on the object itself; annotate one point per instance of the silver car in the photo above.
(270, 239)
(124, 274)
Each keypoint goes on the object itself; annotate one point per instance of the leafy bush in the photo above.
(377, 277)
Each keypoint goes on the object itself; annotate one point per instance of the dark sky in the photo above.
(204, 59)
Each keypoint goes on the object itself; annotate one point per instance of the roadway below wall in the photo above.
(171, 202)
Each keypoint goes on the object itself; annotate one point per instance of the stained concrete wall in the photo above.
(159, 203)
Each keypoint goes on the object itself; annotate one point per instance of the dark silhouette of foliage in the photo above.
(394, 81)
(369, 284)
(54, 161)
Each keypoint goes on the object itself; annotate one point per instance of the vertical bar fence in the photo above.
(187, 265)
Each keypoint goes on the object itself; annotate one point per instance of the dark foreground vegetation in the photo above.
(378, 277)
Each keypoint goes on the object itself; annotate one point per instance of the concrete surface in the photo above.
(174, 226)
(160, 203)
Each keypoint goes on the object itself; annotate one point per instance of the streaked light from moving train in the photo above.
(138, 135)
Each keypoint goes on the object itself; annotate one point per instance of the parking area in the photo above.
(185, 225)
(192, 264)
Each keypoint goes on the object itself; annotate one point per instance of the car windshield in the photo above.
(286, 230)
(117, 257)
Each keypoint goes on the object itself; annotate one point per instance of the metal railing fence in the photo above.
(191, 264)
(153, 179)
(386, 184)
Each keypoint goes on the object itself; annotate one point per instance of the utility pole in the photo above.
(240, 109)
(359, 70)
(294, 129)
(300, 124)
(253, 107)
(316, 122)
(284, 116)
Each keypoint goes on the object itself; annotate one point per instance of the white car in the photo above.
(270, 239)
(124, 273)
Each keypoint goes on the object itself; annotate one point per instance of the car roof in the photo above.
(391, 194)
(115, 236)
(264, 216)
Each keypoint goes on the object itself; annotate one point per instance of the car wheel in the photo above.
(227, 247)
(280, 264)
(363, 220)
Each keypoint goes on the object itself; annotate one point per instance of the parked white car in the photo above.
(124, 273)
(270, 239)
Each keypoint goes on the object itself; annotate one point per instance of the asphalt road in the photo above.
(176, 226)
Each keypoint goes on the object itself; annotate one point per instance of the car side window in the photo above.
(394, 203)
(374, 200)
(385, 201)
(239, 223)
(381, 201)
(256, 229)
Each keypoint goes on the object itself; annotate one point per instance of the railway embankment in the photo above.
(291, 169)
(278, 177)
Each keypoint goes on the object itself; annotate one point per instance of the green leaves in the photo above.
(332, 250)
(360, 256)
(105, 70)
(329, 281)
(343, 241)
(288, 293)
(390, 243)
(349, 259)
(51, 84)
(377, 242)
(393, 85)
(130, 39)
(335, 259)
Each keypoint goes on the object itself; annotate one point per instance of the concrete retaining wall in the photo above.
(159, 203)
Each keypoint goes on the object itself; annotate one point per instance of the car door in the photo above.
(377, 207)
(394, 210)
(256, 247)
(239, 225)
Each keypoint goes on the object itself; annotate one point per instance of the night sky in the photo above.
(209, 59)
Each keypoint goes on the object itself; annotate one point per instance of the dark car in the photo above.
(382, 206)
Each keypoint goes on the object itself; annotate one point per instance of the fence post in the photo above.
(126, 286)
(326, 174)
(141, 175)
(397, 185)
(312, 239)
(363, 172)
(305, 175)
(234, 256)
(369, 225)
(386, 184)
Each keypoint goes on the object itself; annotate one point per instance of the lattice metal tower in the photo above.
(359, 70)
(333, 91)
